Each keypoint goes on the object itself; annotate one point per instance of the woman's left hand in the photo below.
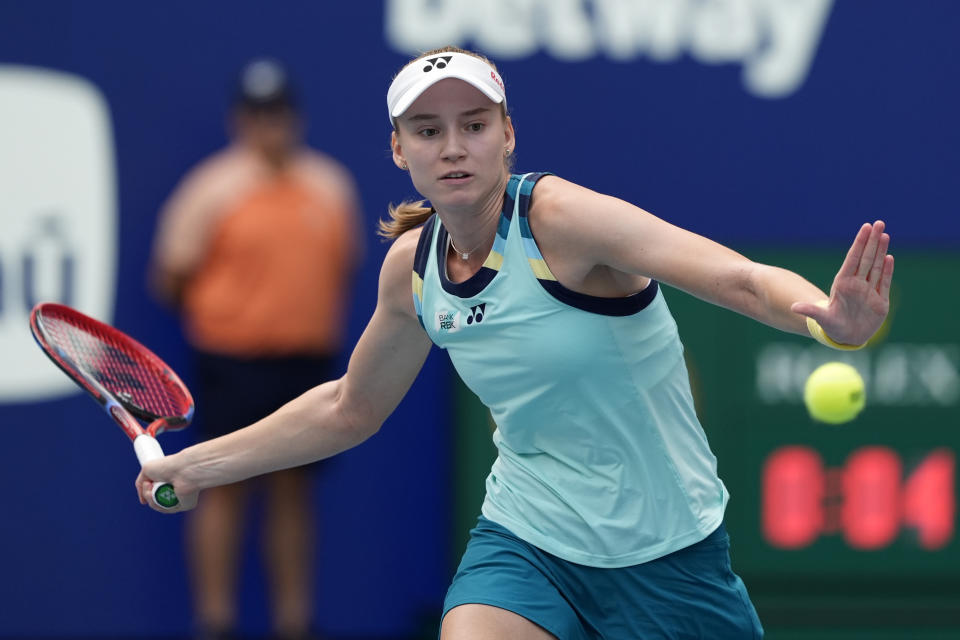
(860, 295)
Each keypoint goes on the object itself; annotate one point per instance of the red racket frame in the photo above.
(122, 412)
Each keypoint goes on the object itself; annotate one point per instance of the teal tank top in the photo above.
(601, 459)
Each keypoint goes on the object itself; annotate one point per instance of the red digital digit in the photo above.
(803, 500)
(929, 502)
(793, 496)
(870, 515)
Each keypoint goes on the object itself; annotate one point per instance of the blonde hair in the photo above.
(412, 213)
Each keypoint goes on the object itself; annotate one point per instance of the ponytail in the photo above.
(403, 217)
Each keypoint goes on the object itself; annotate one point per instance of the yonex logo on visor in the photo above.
(416, 78)
(442, 64)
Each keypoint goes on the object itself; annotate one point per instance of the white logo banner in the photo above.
(774, 40)
(58, 219)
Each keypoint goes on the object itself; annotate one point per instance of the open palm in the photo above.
(860, 295)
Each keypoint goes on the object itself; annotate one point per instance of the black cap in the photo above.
(264, 84)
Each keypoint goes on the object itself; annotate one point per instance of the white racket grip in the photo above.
(147, 448)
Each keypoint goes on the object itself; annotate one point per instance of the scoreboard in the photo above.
(842, 526)
(868, 500)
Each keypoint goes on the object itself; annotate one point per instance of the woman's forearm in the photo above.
(309, 428)
(773, 291)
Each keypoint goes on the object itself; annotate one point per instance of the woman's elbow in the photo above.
(358, 419)
(742, 289)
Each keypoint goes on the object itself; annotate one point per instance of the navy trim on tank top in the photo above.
(625, 306)
(469, 287)
(478, 281)
(473, 285)
(423, 245)
(604, 306)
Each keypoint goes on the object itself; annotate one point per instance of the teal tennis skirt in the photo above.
(690, 594)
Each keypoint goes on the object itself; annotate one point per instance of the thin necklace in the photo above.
(463, 255)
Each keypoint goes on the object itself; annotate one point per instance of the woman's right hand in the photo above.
(160, 471)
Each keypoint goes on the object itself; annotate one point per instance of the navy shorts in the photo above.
(234, 392)
(689, 594)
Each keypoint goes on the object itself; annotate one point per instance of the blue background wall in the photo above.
(870, 132)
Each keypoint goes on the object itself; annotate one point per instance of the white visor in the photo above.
(423, 73)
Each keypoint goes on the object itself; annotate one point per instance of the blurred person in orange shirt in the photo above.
(256, 248)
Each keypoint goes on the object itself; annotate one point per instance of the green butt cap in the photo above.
(166, 497)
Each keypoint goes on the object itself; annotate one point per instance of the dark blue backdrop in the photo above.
(870, 132)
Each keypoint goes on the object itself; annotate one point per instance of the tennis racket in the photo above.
(122, 375)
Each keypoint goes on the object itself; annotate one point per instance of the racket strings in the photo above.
(133, 377)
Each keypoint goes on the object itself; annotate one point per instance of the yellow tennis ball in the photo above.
(834, 393)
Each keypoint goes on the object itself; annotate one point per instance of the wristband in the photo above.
(818, 334)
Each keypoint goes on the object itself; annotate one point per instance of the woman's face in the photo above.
(453, 140)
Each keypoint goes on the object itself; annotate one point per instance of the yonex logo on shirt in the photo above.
(476, 313)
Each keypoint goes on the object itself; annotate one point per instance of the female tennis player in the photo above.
(603, 516)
